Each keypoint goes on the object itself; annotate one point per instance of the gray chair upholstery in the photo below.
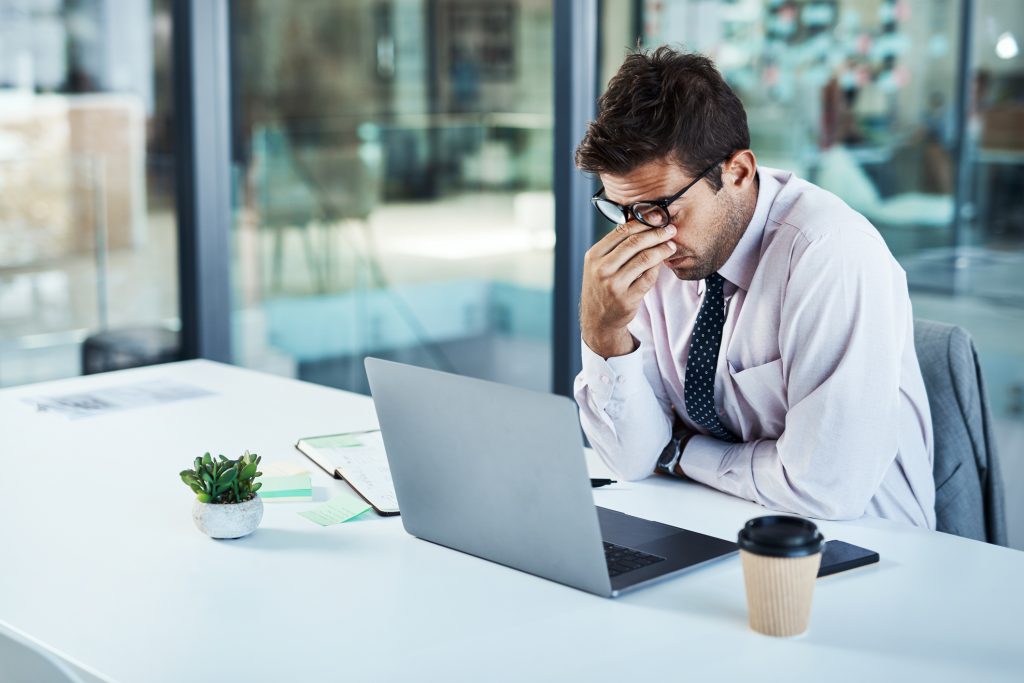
(968, 484)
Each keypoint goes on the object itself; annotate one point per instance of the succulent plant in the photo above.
(223, 480)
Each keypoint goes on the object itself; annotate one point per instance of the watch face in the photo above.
(668, 455)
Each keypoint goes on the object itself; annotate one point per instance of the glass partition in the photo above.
(393, 168)
(88, 238)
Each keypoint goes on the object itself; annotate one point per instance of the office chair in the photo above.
(968, 484)
(129, 347)
(301, 183)
(23, 661)
(285, 200)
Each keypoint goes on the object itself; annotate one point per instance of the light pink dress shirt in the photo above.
(817, 372)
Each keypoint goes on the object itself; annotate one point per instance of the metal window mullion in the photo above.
(203, 146)
(963, 199)
(576, 65)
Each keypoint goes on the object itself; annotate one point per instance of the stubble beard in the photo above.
(733, 224)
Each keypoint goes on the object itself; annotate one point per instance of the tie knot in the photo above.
(714, 280)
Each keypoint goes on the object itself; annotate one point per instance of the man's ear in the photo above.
(740, 170)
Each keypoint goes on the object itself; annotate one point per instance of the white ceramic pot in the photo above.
(228, 520)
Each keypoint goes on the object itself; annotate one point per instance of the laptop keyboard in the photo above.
(621, 559)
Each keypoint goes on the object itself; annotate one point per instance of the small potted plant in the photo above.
(226, 504)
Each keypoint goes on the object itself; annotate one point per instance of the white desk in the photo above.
(100, 561)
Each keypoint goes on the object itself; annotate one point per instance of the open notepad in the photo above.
(359, 459)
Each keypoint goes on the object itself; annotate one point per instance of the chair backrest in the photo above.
(312, 179)
(23, 661)
(285, 199)
(968, 484)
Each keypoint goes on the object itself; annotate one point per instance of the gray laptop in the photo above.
(499, 472)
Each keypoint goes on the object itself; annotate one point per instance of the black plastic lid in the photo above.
(781, 536)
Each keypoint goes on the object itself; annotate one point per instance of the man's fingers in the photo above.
(635, 244)
(645, 282)
(615, 281)
(622, 232)
(646, 259)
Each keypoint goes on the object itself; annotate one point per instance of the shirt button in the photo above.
(604, 378)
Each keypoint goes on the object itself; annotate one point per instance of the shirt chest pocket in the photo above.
(760, 400)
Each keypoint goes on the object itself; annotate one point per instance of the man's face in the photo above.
(708, 224)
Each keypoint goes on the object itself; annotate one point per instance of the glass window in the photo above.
(88, 238)
(394, 187)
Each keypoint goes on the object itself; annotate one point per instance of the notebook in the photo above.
(359, 459)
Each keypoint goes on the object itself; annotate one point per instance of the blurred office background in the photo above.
(392, 185)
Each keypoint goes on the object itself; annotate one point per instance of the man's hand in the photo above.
(617, 272)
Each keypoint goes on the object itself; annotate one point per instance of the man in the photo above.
(741, 327)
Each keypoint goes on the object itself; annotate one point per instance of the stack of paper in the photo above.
(287, 482)
(296, 487)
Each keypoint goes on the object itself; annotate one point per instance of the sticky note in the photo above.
(284, 489)
(341, 508)
(337, 441)
(282, 468)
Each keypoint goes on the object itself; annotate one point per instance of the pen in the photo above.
(594, 483)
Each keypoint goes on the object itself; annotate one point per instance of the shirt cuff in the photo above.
(612, 380)
(702, 459)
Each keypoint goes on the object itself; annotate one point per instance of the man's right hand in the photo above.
(617, 272)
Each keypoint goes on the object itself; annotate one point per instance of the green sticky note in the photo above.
(341, 508)
(337, 441)
(297, 486)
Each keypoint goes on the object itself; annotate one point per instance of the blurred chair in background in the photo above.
(306, 183)
(133, 347)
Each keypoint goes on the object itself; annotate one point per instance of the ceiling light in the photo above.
(1006, 46)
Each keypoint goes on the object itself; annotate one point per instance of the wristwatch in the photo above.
(673, 450)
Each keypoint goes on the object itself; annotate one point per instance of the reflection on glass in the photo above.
(88, 263)
(394, 187)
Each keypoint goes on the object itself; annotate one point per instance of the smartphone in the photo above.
(838, 556)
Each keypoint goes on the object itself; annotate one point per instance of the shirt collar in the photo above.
(739, 268)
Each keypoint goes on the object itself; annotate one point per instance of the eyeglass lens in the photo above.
(648, 214)
(651, 214)
(611, 211)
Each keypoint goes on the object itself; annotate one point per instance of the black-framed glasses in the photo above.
(651, 212)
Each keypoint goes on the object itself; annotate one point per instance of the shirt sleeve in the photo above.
(624, 409)
(841, 339)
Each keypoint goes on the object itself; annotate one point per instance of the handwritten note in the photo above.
(362, 460)
(341, 508)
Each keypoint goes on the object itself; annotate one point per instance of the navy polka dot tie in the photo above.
(699, 384)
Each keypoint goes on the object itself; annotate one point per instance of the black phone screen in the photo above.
(838, 556)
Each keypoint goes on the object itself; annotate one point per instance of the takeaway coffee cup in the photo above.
(780, 556)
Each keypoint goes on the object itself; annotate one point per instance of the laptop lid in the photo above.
(491, 470)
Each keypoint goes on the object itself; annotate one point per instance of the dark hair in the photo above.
(665, 104)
